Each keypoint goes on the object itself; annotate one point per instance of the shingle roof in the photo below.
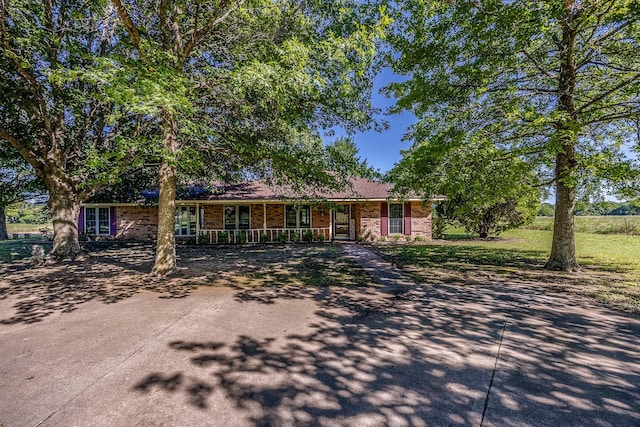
(361, 189)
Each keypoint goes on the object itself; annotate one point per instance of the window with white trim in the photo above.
(237, 217)
(396, 218)
(185, 221)
(97, 221)
(298, 216)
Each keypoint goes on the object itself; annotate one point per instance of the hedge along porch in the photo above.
(254, 212)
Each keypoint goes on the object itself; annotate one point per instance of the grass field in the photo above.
(611, 274)
(595, 224)
(27, 228)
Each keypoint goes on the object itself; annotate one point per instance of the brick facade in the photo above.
(369, 213)
(137, 222)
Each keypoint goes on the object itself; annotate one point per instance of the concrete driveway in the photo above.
(444, 355)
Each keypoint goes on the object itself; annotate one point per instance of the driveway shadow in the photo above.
(421, 357)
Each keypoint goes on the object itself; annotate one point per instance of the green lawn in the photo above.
(609, 224)
(27, 228)
(611, 274)
(12, 250)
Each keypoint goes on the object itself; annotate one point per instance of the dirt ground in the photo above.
(113, 272)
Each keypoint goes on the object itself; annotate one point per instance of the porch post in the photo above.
(330, 224)
(264, 218)
(198, 219)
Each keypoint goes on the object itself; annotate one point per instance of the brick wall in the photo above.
(213, 219)
(370, 221)
(320, 217)
(275, 216)
(136, 222)
(257, 216)
(421, 220)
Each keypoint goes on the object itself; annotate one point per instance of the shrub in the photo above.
(282, 237)
(321, 238)
(203, 239)
(407, 238)
(295, 238)
(223, 238)
(242, 238)
(264, 238)
(307, 236)
(439, 227)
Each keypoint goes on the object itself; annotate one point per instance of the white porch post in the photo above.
(264, 219)
(330, 224)
(198, 219)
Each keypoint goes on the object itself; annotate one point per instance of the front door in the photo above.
(341, 219)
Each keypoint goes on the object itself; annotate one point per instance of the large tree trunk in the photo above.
(3, 225)
(64, 209)
(165, 262)
(563, 248)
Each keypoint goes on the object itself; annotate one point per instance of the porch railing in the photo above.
(258, 235)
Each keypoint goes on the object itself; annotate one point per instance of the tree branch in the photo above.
(24, 151)
(608, 92)
(197, 35)
(131, 28)
(617, 116)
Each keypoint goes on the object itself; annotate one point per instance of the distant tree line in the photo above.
(598, 208)
(27, 213)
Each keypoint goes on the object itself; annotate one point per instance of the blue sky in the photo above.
(382, 149)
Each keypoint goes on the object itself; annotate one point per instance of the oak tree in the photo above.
(555, 83)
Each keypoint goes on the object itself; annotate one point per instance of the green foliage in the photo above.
(54, 115)
(546, 209)
(26, 213)
(282, 237)
(487, 190)
(203, 239)
(242, 238)
(295, 238)
(307, 236)
(321, 238)
(552, 84)
(264, 238)
(629, 225)
(223, 238)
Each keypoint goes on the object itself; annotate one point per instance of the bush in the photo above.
(307, 236)
(223, 238)
(241, 239)
(264, 238)
(439, 228)
(295, 238)
(203, 239)
(321, 238)
(282, 237)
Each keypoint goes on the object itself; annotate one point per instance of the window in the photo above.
(237, 217)
(298, 216)
(185, 221)
(396, 218)
(97, 221)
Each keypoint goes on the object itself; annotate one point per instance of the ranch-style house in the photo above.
(256, 212)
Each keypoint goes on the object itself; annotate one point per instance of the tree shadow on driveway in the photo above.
(110, 274)
(421, 357)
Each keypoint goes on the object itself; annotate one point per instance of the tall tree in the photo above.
(239, 87)
(487, 190)
(66, 128)
(554, 82)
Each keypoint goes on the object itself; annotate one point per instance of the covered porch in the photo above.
(220, 223)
